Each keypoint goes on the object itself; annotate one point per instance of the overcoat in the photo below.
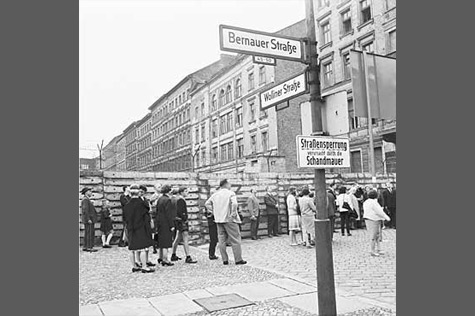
(165, 220)
(137, 218)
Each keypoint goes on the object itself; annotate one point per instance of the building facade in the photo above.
(120, 153)
(109, 155)
(144, 143)
(365, 25)
(88, 163)
(131, 147)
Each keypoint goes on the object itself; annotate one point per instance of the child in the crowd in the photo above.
(106, 224)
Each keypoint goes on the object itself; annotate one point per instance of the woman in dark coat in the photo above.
(137, 218)
(165, 218)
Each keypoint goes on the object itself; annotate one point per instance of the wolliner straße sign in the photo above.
(319, 152)
(284, 91)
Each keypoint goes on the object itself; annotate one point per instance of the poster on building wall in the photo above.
(320, 152)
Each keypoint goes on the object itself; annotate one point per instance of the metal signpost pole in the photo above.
(370, 119)
(323, 241)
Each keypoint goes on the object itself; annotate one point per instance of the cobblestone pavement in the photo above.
(356, 272)
(106, 275)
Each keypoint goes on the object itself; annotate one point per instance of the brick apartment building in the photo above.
(211, 121)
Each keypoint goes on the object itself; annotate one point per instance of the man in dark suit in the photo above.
(88, 212)
(272, 208)
(124, 199)
(331, 208)
(389, 201)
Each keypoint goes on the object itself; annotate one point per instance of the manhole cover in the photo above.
(220, 302)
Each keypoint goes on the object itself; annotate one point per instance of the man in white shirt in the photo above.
(223, 204)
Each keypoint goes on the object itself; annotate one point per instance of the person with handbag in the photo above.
(293, 210)
(223, 204)
(373, 214)
(253, 208)
(345, 206)
(308, 210)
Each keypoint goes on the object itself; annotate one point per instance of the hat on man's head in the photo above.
(223, 182)
(142, 187)
(165, 189)
(134, 187)
(85, 189)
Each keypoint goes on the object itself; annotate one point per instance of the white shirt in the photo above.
(344, 198)
(224, 205)
(374, 211)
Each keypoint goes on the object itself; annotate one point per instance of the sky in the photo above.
(133, 52)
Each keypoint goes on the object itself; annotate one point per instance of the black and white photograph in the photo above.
(237, 157)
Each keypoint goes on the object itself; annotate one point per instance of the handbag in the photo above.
(351, 212)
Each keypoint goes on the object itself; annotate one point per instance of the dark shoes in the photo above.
(175, 257)
(189, 260)
(253, 238)
(106, 246)
(213, 257)
(159, 261)
(148, 270)
(89, 250)
(168, 264)
(270, 236)
(349, 234)
(136, 269)
(225, 263)
(241, 262)
(150, 264)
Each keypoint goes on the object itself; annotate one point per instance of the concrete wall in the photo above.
(108, 184)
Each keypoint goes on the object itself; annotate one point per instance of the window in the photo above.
(322, 3)
(196, 112)
(327, 74)
(179, 99)
(346, 22)
(188, 136)
(392, 41)
(224, 152)
(221, 98)
(263, 114)
(346, 66)
(187, 114)
(214, 128)
(378, 159)
(213, 103)
(197, 135)
(230, 151)
(239, 117)
(390, 4)
(368, 47)
(240, 148)
(252, 111)
(228, 94)
(251, 80)
(202, 109)
(229, 123)
(197, 157)
(203, 127)
(355, 161)
(365, 8)
(238, 89)
(203, 156)
(265, 141)
(214, 153)
(253, 144)
(326, 35)
(222, 127)
(262, 75)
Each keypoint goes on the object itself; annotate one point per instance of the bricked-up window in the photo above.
(365, 8)
(238, 89)
(239, 117)
(325, 31)
(221, 97)
(265, 141)
(346, 22)
(240, 148)
(346, 66)
(224, 152)
(250, 78)
(203, 127)
(328, 74)
(253, 144)
(392, 41)
(368, 47)
(228, 94)
(213, 103)
(355, 163)
(378, 159)
(262, 75)
(252, 111)
(214, 154)
(230, 151)
(214, 128)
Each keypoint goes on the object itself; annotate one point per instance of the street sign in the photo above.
(319, 152)
(244, 41)
(284, 91)
(264, 60)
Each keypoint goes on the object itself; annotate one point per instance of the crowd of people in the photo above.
(161, 221)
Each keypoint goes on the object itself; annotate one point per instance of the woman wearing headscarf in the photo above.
(308, 210)
(294, 217)
(373, 215)
(343, 201)
(165, 218)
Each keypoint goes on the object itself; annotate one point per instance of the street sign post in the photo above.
(319, 152)
(284, 91)
(251, 42)
(264, 60)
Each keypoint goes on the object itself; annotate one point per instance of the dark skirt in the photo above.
(165, 237)
(140, 238)
(106, 225)
(182, 226)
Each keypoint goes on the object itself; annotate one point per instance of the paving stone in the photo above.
(136, 307)
(293, 286)
(200, 293)
(174, 304)
(90, 310)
